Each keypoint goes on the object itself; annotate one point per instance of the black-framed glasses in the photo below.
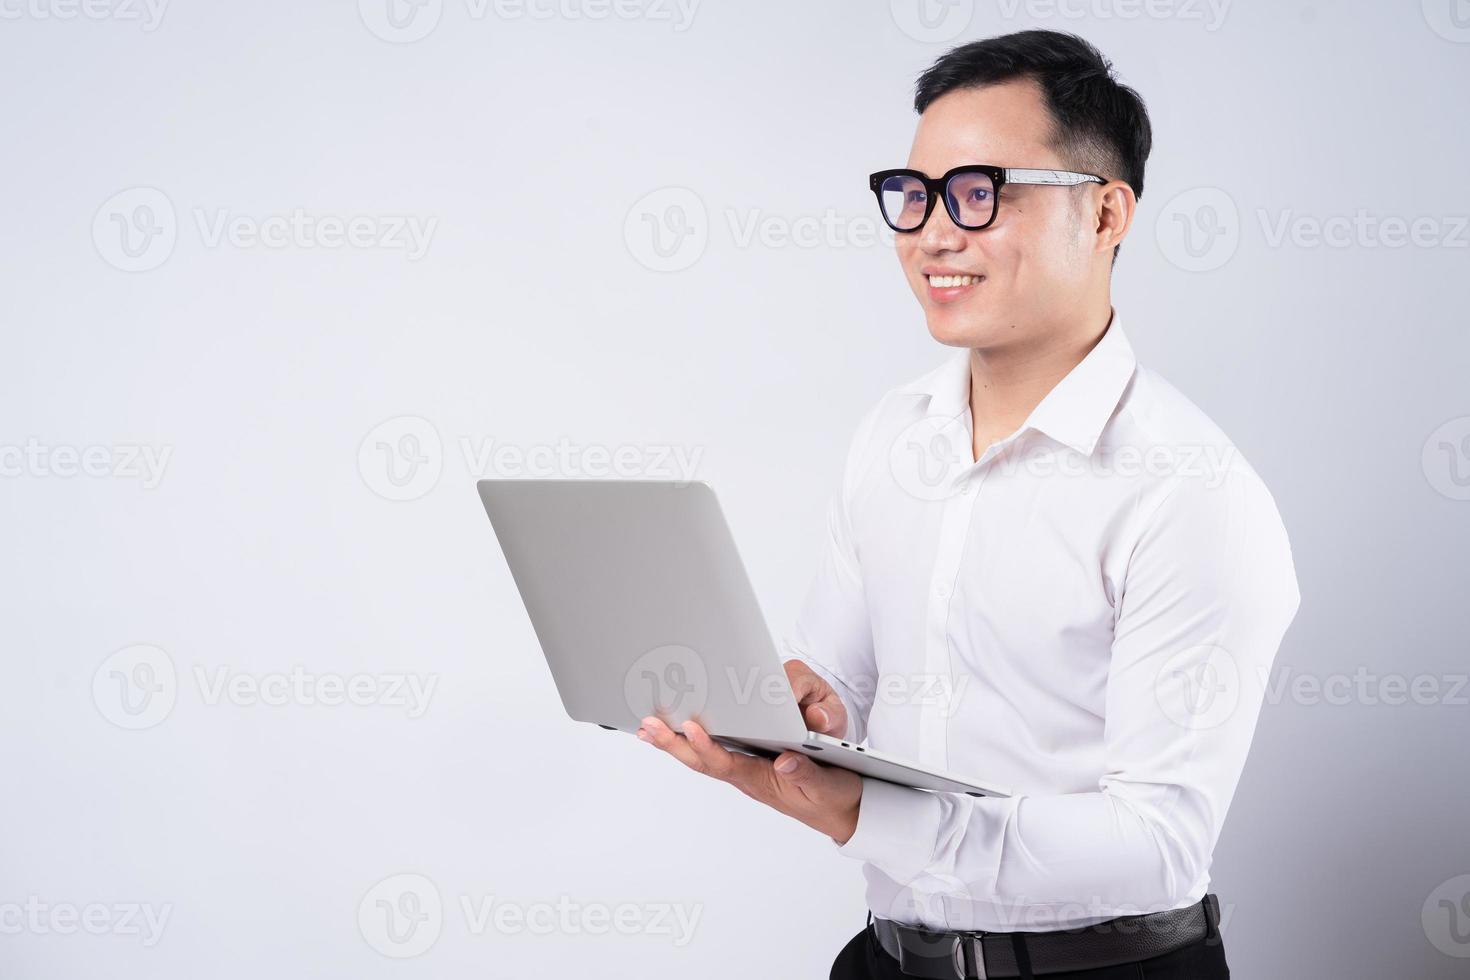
(971, 193)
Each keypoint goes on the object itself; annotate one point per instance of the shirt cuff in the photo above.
(897, 829)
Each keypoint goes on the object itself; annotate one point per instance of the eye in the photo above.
(979, 194)
(917, 197)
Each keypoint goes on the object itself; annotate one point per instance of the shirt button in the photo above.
(942, 591)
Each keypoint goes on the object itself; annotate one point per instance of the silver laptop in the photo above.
(643, 607)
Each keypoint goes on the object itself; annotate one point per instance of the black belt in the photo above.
(979, 955)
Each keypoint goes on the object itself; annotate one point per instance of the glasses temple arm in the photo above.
(1064, 177)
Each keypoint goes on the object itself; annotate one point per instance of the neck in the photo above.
(1007, 383)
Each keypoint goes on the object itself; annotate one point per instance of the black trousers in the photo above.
(864, 959)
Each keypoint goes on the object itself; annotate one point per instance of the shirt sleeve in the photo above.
(833, 635)
(1208, 593)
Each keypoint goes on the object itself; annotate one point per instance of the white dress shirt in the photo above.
(1085, 615)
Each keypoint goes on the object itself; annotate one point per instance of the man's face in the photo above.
(1036, 259)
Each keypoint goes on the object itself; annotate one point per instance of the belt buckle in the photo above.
(969, 955)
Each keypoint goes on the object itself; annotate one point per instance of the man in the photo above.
(1045, 567)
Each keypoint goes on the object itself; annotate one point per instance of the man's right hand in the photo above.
(820, 706)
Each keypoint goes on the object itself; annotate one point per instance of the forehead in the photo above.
(1005, 124)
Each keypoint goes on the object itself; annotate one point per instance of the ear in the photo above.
(1113, 214)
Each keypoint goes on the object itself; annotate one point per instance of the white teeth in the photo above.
(942, 281)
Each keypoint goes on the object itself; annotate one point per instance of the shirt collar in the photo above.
(1073, 413)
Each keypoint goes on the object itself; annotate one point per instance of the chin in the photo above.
(951, 327)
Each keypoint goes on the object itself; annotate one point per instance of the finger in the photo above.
(796, 773)
(822, 797)
(805, 684)
(718, 761)
(663, 737)
(821, 708)
(828, 717)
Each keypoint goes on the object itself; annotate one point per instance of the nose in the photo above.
(940, 233)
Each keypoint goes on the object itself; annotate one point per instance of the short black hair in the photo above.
(1099, 125)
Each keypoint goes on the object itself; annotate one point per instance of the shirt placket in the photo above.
(954, 533)
(954, 529)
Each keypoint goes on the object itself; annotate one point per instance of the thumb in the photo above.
(828, 716)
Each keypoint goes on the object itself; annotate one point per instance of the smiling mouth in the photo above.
(948, 282)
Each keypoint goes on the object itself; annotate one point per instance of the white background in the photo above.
(538, 316)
